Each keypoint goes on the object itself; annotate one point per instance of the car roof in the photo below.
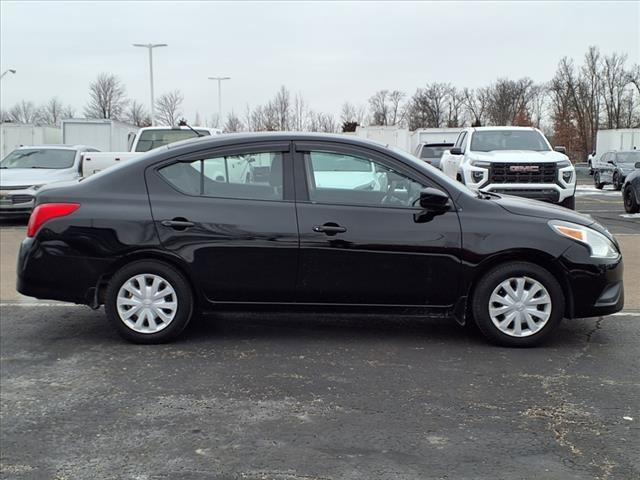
(200, 143)
(480, 129)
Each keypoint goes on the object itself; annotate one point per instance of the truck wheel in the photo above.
(596, 181)
(630, 202)
(617, 184)
(517, 304)
(149, 302)
(569, 202)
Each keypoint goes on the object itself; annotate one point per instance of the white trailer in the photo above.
(620, 139)
(394, 136)
(434, 135)
(105, 135)
(14, 135)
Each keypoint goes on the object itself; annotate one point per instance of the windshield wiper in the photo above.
(185, 124)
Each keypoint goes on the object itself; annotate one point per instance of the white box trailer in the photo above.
(105, 135)
(618, 139)
(395, 136)
(14, 135)
(434, 135)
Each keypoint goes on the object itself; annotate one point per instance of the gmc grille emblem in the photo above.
(524, 168)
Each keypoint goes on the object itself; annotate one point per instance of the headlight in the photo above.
(564, 163)
(600, 246)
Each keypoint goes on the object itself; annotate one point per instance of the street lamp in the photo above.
(12, 70)
(151, 46)
(219, 79)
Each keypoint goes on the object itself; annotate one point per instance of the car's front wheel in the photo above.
(617, 181)
(518, 304)
(149, 302)
(630, 202)
(596, 181)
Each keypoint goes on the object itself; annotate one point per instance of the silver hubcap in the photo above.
(520, 306)
(147, 303)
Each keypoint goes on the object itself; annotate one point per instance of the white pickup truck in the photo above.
(143, 140)
(512, 160)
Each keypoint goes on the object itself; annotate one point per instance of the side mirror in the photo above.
(455, 151)
(561, 149)
(611, 162)
(433, 199)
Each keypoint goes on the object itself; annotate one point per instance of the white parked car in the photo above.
(512, 160)
(26, 169)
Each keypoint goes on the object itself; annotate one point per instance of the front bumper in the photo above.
(16, 202)
(596, 285)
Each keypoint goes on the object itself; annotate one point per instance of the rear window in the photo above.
(254, 176)
(491, 140)
(150, 139)
(433, 152)
(54, 158)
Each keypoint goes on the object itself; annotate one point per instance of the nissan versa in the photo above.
(313, 220)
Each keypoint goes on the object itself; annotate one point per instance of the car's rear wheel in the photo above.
(518, 304)
(596, 181)
(617, 183)
(149, 302)
(630, 202)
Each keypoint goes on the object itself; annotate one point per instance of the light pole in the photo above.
(219, 79)
(12, 70)
(151, 46)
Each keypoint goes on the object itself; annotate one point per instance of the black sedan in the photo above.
(329, 222)
(631, 191)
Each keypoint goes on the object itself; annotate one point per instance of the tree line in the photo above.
(600, 92)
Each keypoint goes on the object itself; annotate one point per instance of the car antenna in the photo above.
(183, 123)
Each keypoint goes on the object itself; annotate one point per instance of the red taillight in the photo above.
(47, 211)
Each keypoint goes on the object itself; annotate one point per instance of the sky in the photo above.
(329, 52)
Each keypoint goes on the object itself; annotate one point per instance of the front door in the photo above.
(230, 214)
(363, 240)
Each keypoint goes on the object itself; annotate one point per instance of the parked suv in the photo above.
(613, 167)
(512, 160)
(336, 223)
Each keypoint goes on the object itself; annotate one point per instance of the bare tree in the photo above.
(107, 98)
(428, 106)
(614, 78)
(455, 104)
(322, 122)
(137, 115)
(24, 112)
(352, 113)
(282, 106)
(168, 108)
(233, 123)
(300, 114)
(386, 107)
(476, 102)
(51, 112)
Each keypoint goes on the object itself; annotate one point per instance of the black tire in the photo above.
(630, 201)
(617, 184)
(183, 293)
(569, 202)
(596, 181)
(492, 279)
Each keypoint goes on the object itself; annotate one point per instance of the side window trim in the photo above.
(282, 147)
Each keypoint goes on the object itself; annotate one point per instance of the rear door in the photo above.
(230, 215)
(362, 240)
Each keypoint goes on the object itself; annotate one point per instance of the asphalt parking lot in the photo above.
(283, 396)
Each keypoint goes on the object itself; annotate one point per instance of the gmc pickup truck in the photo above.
(512, 160)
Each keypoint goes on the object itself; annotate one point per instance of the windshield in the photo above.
(39, 158)
(628, 158)
(490, 140)
(433, 152)
(150, 139)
